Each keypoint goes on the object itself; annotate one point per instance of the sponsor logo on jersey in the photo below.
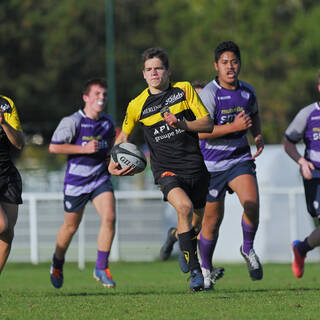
(152, 109)
(173, 98)
(84, 125)
(315, 118)
(232, 110)
(5, 106)
(224, 98)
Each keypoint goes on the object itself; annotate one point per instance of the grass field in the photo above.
(158, 290)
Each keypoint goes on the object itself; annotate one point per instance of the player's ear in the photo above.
(84, 97)
(215, 66)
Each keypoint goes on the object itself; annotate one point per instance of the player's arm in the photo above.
(114, 167)
(204, 124)
(305, 165)
(256, 133)
(66, 148)
(64, 135)
(241, 122)
(15, 137)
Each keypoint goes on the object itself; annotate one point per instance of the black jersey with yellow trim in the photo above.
(11, 117)
(173, 150)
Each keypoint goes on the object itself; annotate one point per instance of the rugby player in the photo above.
(171, 114)
(172, 236)
(87, 137)
(306, 126)
(233, 106)
(11, 135)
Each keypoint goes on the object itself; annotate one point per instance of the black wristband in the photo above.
(182, 125)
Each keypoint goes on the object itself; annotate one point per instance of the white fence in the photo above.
(138, 229)
(142, 222)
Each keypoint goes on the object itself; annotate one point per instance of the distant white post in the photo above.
(293, 214)
(115, 249)
(33, 225)
(81, 244)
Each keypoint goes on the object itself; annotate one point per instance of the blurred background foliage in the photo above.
(50, 48)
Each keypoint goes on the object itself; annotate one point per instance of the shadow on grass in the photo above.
(219, 293)
(270, 290)
(134, 293)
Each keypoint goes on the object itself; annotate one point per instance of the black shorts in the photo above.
(312, 194)
(195, 187)
(11, 186)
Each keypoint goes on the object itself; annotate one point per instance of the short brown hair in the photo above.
(94, 81)
(156, 53)
(198, 84)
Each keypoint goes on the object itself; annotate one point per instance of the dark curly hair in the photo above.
(226, 46)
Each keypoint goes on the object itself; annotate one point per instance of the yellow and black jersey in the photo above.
(11, 116)
(171, 150)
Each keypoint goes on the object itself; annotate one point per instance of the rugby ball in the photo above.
(128, 154)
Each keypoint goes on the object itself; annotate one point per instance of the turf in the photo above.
(157, 290)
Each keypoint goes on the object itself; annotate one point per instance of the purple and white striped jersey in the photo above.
(85, 172)
(224, 105)
(306, 126)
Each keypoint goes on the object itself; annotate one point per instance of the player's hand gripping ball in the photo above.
(128, 154)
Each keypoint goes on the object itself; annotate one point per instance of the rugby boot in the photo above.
(298, 261)
(197, 282)
(56, 277)
(167, 247)
(104, 276)
(253, 264)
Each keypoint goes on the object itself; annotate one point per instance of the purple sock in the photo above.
(206, 250)
(102, 260)
(249, 232)
(303, 247)
(57, 263)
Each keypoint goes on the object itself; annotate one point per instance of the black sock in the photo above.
(57, 263)
(188, 245)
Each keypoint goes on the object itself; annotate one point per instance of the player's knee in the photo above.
(71, 228)
(184, 208)
(212, 223)
(109, 222)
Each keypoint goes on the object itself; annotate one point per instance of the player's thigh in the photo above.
(9, 211)
(246, 188)
(105, 205)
